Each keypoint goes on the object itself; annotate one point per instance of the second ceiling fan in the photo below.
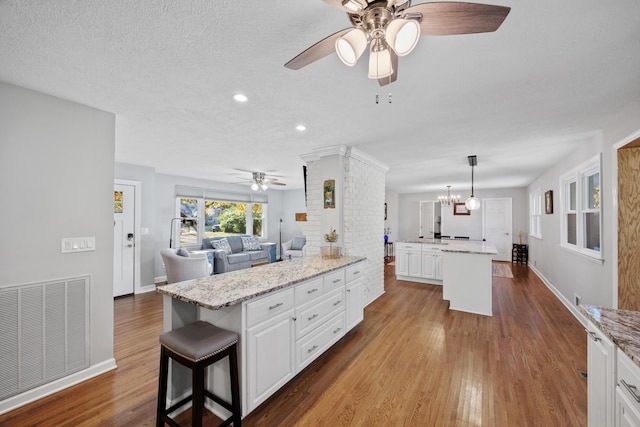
(392, 28)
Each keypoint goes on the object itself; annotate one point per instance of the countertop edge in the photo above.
(628, 344)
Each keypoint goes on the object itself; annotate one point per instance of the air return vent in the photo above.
(44, 331)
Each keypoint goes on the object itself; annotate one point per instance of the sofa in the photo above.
(238, 254)
(296, 247)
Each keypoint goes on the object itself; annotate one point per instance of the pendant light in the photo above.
(472, 203)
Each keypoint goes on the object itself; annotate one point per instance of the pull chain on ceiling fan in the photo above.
(392, 29)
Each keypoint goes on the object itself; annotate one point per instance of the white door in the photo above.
(496, 226)
(426, 220)
(123, 239)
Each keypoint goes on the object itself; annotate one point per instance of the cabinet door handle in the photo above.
(313, 317)
(337, 330)
(631, 389)
(337, 303)
(312, 348)
(312, 290)
(356, 272)
(337, 281)
(592, 335)
(272, 307)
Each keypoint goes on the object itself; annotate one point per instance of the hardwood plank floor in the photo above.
(411, 362)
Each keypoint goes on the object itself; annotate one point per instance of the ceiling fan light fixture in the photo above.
(264, 186)
(403, 35)
(255, 186)
(351, 46)
(379, 61)
(354, 6)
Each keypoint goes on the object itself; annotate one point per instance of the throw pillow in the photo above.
(250, 244)
(222, 244)
(297, 243)
(183, 252)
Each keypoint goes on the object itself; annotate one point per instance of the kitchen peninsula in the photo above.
(286, 313)
(462, 267)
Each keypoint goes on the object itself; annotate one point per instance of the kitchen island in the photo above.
(286, 313)
(462, 267)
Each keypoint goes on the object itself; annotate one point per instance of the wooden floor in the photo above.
(411, 362)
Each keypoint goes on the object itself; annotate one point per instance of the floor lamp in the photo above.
(280, 239)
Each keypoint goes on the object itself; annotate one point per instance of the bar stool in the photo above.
(196, 346)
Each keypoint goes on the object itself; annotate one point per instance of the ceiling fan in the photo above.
(261, 182)
(392, 28)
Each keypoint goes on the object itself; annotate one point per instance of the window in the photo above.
(221, 218)
(580, 198)
(535, 214)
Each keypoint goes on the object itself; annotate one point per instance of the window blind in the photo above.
(220, 195)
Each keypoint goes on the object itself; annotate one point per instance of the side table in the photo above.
(388, 250)
(520, 253)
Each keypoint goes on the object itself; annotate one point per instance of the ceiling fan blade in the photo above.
(394, 76)
(275, 183)
(448, 18)
(319, 50)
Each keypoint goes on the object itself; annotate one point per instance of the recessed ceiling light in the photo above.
(240, 97)
(301, 128)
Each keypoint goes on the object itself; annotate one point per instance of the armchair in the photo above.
(180, 268)
(295, 247)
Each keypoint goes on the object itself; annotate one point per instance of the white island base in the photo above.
(467, 282)
(287, 314)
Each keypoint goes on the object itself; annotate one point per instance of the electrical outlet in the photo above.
(576, 299)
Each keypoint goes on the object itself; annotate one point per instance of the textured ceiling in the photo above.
(549, 79)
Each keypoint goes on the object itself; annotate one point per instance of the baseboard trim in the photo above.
(37, 393)
(571, 307)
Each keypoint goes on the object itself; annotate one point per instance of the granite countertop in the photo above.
(620, 326)
(460, 246)
(222, 290)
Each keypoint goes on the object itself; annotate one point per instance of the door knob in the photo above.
(129, 245)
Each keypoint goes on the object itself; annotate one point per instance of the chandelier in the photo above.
(448, 200)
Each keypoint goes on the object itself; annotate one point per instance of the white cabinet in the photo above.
(600, 378)
(270, 345)
(431, 263)
(415, 264)
(354, 310)
(419, 262)
(288, 329)
(627, 392)
(408, 262)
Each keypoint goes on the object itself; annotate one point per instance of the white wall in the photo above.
(56, 169)
(567, 272)
(292, 202)
(459, 225)
(392, 199)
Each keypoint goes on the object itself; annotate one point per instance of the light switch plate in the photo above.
(77, 244)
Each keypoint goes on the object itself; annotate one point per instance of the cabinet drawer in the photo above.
(429, 248)
(313, 314)
(408, 246)
(308, 291)
(319, 340)
(355, 272)
(333, 281)
(269, 306)
(628, 379)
